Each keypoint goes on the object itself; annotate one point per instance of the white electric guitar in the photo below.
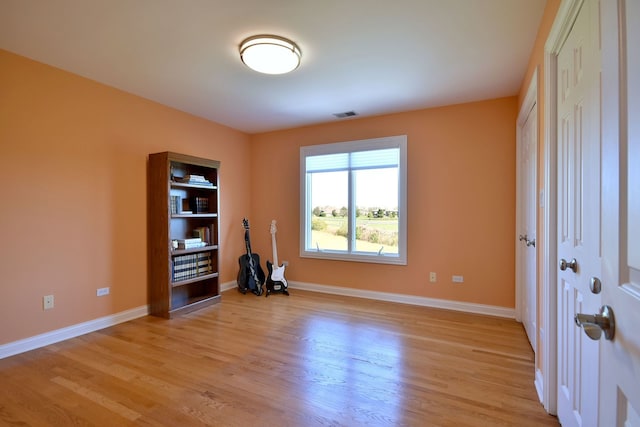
(276, 281)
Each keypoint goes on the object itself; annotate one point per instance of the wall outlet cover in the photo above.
(47, 302)
(102, 291)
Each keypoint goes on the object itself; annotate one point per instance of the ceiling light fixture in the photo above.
(270, 54)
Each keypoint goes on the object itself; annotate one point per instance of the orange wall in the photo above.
(461, 202)
(73, 157)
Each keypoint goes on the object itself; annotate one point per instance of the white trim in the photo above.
(72, 331)
(548, 304)
(562, 25)
(351, 255)
(530, 99)
(32, 343)
(528, 104)
(489, 310)
(538, 382)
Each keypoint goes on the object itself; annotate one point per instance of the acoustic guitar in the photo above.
(275, 280)
(251, 275)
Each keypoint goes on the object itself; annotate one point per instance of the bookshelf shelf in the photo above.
(184, 279)
(193, 304)
(199, 215)
(193, 280)
(194, 250)
(184, 185)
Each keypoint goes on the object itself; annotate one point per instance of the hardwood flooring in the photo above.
(309, 359)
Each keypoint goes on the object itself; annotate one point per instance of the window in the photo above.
(353, 201)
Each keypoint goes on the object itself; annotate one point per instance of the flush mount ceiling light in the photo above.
(270, 54)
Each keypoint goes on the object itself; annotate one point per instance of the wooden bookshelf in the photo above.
(185, 279)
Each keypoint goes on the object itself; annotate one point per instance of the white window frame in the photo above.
(400, 258)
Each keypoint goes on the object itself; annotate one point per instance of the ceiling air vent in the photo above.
(345, 114)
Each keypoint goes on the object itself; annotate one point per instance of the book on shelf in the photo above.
(189, 240)
(199, 204)
(203, 233)
(208, 232)
(194, 179)
(176, 204)
(189, 266)
(192, 243)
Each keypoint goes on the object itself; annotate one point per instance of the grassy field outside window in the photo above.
(372, 234)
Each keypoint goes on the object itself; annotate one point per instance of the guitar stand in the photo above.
(256, 292)
(271, 289)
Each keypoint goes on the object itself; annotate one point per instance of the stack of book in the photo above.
(195, 180)
(192, 243)
(190, 266)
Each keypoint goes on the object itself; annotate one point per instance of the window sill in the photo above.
(355, 257)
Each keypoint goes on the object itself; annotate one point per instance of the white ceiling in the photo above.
(369, 56)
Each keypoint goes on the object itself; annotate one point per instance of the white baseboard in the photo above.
(539, 383)
(72, 331)
(408, 299)
(399, 298)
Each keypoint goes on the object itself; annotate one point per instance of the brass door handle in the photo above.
(594, 325)
(573, 265)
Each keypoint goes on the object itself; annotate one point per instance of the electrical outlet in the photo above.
(47, 302)
(457, 279)
(432, 277)
(285, 263)
(102, 291)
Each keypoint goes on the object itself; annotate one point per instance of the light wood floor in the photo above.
(309, 359)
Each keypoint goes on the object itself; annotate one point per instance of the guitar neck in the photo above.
(247, 242)
(275, 249)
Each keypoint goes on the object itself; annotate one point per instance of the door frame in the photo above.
(528, 104)
(546, 380)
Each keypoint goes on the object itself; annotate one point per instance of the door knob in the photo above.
(527, 241)
(573, 265)
(594, 325)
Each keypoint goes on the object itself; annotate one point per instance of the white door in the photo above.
(620, 357)
(527, 233)
(578, 226)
